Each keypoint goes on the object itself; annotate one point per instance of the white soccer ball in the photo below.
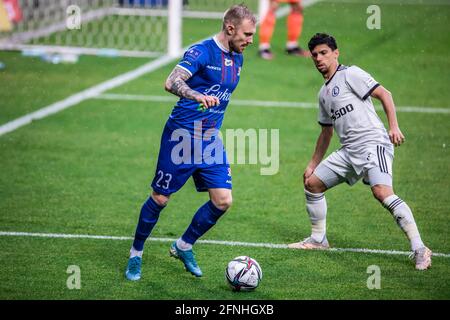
(243, 273)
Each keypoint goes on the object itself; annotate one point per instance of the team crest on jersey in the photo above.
(335, 91)
(228, 62)
(194, 53)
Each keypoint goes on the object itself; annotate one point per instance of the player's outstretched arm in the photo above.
(176, 84)
(396, 136)
(323, 141)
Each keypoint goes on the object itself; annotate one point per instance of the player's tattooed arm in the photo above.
(176, 84)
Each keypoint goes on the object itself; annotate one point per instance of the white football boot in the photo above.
(422, 256)
(310, 244)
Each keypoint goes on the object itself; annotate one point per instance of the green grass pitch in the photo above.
(86, 170)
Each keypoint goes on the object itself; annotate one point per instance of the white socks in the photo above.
(291, 44)
(264, 46)
(316, 206)
(134, 253)
(183, 245)
(405, 220)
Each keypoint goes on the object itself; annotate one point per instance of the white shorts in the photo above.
(374, 166)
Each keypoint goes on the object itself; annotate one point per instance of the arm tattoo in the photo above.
(176, 84)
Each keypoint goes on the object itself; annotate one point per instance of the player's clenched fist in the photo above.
(208, 101)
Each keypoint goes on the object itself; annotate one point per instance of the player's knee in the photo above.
(381, 192)
(313, 185)
(223, 202)
(160, 199)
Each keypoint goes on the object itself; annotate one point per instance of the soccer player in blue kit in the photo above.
(203, 79)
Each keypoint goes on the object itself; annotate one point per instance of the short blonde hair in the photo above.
(236, 14)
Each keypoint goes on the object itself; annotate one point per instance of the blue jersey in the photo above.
(215, 72)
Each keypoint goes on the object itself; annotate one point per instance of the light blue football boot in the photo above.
(133, 271)
(188, 259)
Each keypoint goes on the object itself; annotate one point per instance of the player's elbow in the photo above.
(168, 85)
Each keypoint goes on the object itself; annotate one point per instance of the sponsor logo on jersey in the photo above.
(216, 92)
(216, 111)
(239, 71)
(214, 68)
(341, 112)
(335, 91)
(202, 108)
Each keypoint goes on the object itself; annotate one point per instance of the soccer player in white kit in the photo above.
(367, 150)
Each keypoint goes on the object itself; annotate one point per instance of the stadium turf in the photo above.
(86, 170)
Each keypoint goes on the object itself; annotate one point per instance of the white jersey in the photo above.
(345, 104)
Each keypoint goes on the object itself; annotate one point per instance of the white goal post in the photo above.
(135, 28)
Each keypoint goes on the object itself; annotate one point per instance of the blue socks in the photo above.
(147, 220)
(206, 216)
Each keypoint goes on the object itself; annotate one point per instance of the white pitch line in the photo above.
(84, 95)
(217, 242)
(258, 103)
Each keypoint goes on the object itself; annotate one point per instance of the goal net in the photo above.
(138, 28)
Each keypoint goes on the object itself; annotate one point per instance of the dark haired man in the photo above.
(367, 150)
(204, 80)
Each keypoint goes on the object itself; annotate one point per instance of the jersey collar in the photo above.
(221, 47)
(337, 69)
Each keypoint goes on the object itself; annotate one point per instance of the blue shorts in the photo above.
(181, 156)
